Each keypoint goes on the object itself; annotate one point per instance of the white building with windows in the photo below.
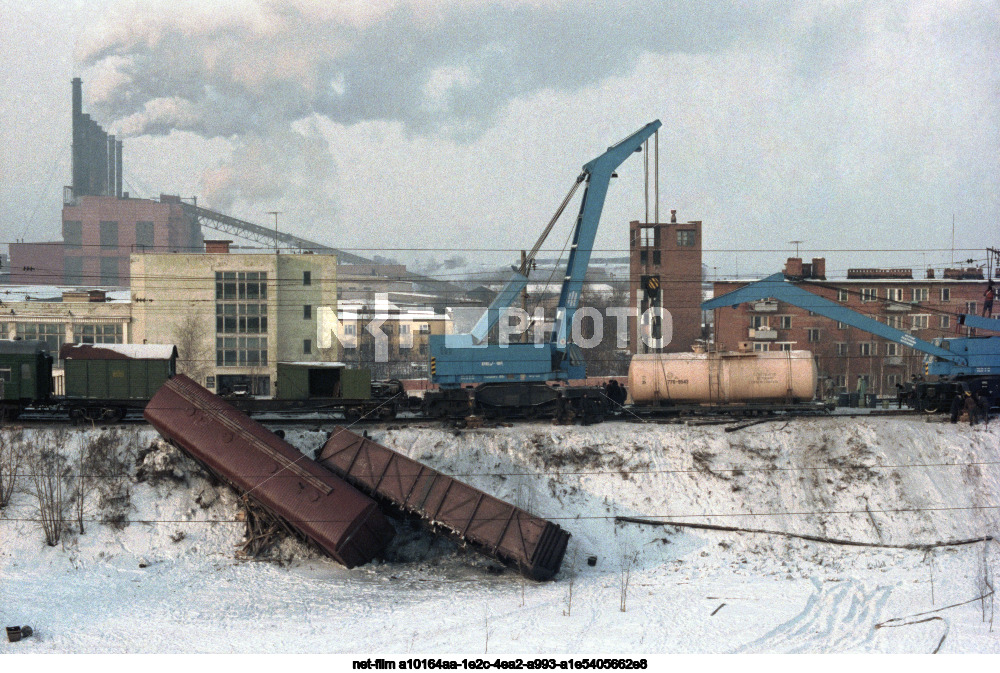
(233, 317)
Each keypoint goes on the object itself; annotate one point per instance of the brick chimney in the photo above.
(793, 267)
(217, 247)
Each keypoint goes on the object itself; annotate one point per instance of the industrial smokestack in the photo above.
(111, 164)
(118, 169)
(77, 177)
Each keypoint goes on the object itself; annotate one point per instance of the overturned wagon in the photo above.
(533, 545)
(343, 522)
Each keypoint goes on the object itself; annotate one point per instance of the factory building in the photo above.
(664, 286)
(233, 317)
(926, 307)
(101, 224)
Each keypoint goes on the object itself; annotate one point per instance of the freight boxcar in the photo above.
(103, 381)
(531, 544)
(340, 520)
(25, 376)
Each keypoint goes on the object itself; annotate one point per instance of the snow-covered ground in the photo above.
(169, 581)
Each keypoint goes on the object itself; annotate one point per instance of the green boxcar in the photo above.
(25, 372)
(117, 371)
(322, 380)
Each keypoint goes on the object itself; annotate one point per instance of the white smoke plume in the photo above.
(252, 71)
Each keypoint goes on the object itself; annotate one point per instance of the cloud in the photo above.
(454, 63)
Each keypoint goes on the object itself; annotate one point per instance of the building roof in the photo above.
(118, 352)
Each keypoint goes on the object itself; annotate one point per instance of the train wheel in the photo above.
(352, 415)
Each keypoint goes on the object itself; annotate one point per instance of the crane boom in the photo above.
(777, 287)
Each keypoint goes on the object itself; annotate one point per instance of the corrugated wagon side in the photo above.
(343, 522)
(535, 546)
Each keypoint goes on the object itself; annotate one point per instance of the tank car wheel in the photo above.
(931, 408)
(352, 415)
(387, 413)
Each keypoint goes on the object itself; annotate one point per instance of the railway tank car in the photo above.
(720, 378)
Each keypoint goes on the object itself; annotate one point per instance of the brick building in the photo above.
(928, 308)
(101, 225)
(665, 273)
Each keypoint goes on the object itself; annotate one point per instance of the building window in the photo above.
(307, 346)
(144, 237)
(945, 321)
(109, 271)
(109, 235)
(53, 334)
(892, 349)
(869, 294)
(841, 325)
(73, 270)
(920, 321)
(920, 294)
(785, 322)
(404, 328)
(894, 294)
(759, 321)
(946, 294)
(307, 312)
(868, 348)
(813, 333)
(241, 351)
(842, 349)
(643, 257)
(241, 309)
(760, 347)
(685, 238)
(307, 278)
(784, 345)
(842, 296)
(970, 308)
(73, 233)
(349, 330)
(841, 382)
(649, 237)
(895, 321)
(892, 380)
(101, 333)
(656, 258)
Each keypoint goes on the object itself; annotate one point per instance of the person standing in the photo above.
(988, 296)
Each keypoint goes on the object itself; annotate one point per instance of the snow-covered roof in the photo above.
(118, 351)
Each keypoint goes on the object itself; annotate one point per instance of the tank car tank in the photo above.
(722, 377)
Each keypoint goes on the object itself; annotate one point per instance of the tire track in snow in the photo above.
(835, 619)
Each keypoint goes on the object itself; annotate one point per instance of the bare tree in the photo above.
(606, 358)
(193, 355)
(51, 477)
(12, 455)
(99, 466)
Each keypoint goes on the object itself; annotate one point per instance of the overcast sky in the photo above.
(457, 126)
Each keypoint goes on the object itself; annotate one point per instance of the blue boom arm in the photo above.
(456, 359)
(598, 172)
(777, 287)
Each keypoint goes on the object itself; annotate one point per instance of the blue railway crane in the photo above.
(960, 363)
(515, 374)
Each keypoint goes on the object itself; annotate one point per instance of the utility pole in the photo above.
(524, 298)
(275, 213)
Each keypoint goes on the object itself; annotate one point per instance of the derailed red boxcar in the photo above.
(533, 545)
(343, 522)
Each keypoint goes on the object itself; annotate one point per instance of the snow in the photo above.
(897, 481)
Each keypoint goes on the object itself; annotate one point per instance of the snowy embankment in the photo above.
(169, 581)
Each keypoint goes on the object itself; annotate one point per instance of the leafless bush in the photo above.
(629, 559)
(12, 456)
(51, 478)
